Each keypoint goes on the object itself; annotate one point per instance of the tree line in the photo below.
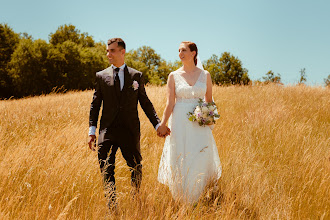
(71, 58)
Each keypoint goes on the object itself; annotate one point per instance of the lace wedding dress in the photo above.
(190, 156)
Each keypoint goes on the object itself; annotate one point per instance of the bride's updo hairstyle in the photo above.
(192, 46)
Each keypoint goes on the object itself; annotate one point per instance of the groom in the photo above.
(119, 88)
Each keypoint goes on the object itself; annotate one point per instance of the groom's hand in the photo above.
(163, 131)
(91, 142)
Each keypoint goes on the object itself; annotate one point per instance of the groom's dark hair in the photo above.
(120, 42)
(193, 47)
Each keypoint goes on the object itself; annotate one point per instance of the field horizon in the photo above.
(273, 143)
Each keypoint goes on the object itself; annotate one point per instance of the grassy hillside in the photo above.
(273, 144)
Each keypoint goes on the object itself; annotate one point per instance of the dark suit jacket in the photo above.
(123, 111)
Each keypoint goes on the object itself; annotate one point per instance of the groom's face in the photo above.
(116, 54)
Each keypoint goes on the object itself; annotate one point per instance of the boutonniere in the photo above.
(135, 85)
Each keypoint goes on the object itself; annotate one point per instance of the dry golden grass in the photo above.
(273, 143)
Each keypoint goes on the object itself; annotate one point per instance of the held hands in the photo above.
(163, 131)
(91, 142)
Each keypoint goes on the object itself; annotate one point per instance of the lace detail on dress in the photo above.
(184, 91)
(181, 100)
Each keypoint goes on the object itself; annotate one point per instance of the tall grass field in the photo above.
(273, 143)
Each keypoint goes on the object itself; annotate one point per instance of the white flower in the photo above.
(212, 108)
(135, 85)
(205, 109)
(197, 110)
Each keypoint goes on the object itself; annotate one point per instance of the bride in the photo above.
(190, 156)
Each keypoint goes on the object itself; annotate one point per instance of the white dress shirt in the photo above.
(121, 74)
(92, 129)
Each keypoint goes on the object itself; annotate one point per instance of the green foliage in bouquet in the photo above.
(204, 113)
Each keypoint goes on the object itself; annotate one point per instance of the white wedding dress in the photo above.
(190, 155)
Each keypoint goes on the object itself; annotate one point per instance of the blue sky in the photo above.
(282, 36)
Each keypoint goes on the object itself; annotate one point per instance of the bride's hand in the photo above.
(163, 131)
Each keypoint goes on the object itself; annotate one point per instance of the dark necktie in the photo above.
(117, 82)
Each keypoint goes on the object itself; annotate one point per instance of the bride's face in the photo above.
(185, 54)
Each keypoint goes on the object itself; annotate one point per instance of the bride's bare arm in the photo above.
(170, 100)
(208, 94)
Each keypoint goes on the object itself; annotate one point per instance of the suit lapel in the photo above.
(109, 78)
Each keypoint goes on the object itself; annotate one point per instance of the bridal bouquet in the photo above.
(204, 113)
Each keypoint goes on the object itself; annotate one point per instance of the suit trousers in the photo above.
(107, 155)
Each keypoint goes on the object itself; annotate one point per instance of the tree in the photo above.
(28, 68)
(93, 59)
(227, 70)
(74, 58)
(8, 43)
(146, 60)
(71, 33)
(327, 81)
(73, 66)
(272, 78)
(165, 68)
(37, 67)
(212, 65)
(67, 69)
(302, 76)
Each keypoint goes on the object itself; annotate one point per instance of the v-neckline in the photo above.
(184, 79)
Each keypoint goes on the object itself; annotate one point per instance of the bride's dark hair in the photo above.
(192, 46)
